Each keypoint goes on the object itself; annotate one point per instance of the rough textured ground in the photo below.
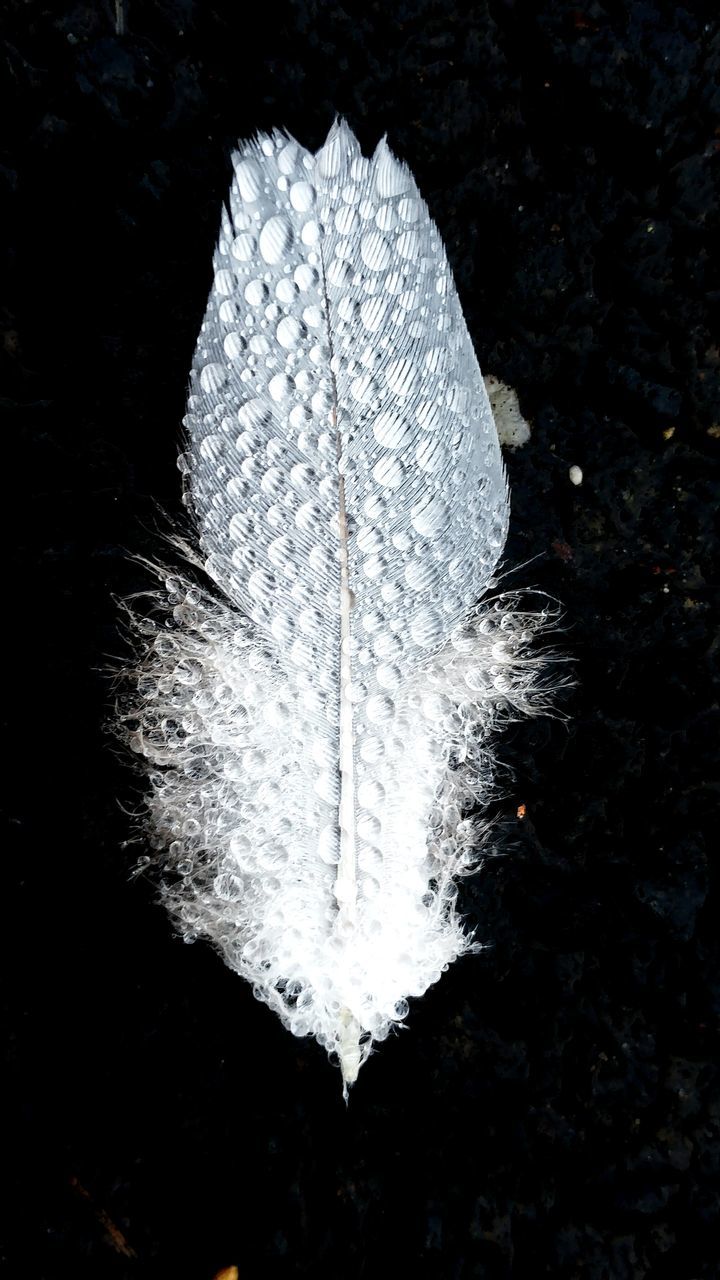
(553, 1109)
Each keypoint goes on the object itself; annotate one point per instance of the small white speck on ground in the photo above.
(575, 475)
(513, 431)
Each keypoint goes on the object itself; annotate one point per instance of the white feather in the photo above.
(318, 722)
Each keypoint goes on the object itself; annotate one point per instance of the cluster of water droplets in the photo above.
(333, 369)
(334, 345)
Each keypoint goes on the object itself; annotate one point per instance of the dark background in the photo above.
(553, 1108)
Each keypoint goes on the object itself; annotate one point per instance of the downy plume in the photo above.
(318, 717)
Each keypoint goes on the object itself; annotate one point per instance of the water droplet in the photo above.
(305, 277)
(275, 239)
(426, 628)
(280, 387)
(372, 313)
(329, 159)
(289, 332)
(242, 526)
(338, 273)
(313, 317)
(369, 827)
(364, 389)
(302, 196)
(254, 414)
(303, 478)
(225, 283)
(229, 312)
(369, 540)
(189, 671)
(409, 209)
(259, 344)
(421, 576)
(386, 218)
(429, 454)
(400, 376)
(310, 233)
(374, 566)
(261, 585)
(375, 251)
(288, 158)
(234, 346)
(380, 708)
(395, 282)
(247, 444)
(375, 507)
(408, 244)
(437, 360)
(213, 377)
(391, 430)
(243, 247)
(255, 293)
(429, 416)
(346, 220)
(228, 887)
(388, 675)
(241, 219)
(273, 483)
(370, 794)
(389, 473)
(328, 845)
(431, 517)
(359, 169)
(248, 176)
(299, 417)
